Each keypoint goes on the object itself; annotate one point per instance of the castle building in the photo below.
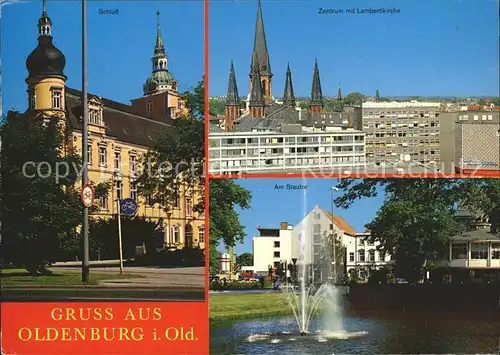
(118, 134)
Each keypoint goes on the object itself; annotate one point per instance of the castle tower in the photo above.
(161, 79)
(288, 95)
(46, 79)
(261, 55)
(316, 104)
(160, 88)
(232, 110)
(257, 104)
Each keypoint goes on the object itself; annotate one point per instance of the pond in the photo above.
(364, 333)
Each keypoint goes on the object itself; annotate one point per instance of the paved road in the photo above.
(101, 294)
(153, 276)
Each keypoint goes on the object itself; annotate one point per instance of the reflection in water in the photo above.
(375, 332)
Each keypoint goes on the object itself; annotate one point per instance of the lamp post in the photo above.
(85, 219)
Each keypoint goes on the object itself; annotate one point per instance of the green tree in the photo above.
(216, 107)
(225, 226)
(415, 221)
(245, 259)
(195, 100)
(304, 104)
(177, 152)
(495, 101)
(136, 231)
(40, 208)
(353, 98)
(481, 102)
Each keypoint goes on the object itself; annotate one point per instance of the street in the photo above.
(152, 284)
(100, 294)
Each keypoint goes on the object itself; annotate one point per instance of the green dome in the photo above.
(158, 79)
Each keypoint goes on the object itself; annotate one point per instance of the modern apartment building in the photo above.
(470, 142)
(291, 148)
(402, 131)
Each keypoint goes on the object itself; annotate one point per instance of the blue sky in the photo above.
(432, 47)
(271, 206)
(119, 46)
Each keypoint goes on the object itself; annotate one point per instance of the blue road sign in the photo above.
(128, 206)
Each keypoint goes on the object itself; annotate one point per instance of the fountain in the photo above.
(315, 294)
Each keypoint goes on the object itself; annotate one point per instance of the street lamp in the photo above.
(85, 216)
(332, 190)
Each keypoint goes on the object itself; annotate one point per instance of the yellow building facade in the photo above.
(119, 135)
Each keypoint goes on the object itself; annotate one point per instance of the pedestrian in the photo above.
(224, 284)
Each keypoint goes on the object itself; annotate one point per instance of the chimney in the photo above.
(284, 225)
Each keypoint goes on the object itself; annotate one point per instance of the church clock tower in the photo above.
(46, 79)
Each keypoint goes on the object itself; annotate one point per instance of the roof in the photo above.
(478, 235)
(341, 223)
(121, 121)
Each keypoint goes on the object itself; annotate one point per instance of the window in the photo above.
(495, 250)
(132, 164)
(103, 202)
(276, 244)
(176, 198)
(176, 233)
(351, 256)
(361, 241)
(189, 207)
(89, 154)
(201, 235)
(149, 200)
(317, 215)
(149, 106)
(479, 250)
(276, 254)
(133, 190)
(119, 187)
(56, 98)
(361, 255)
(118, 161)
(458, 251)
(370, 243)
(381, 256)
(371, 255)
(32, 103)
(317, 229)
(102, 156)
(94, 117)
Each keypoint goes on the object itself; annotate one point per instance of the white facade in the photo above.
(477, 249)
(225, 263)
(253, 152)
(363, 254)
(272, 247)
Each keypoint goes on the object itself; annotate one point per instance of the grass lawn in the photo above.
(248, 305)
(20, 277)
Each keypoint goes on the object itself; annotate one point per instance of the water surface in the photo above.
(365, 333)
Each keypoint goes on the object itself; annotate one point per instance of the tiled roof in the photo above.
(341, 223)
(122, 123)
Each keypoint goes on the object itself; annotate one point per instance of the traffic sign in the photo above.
(87, 195)
(128, 206)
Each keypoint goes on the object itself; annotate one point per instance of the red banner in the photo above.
(96, 328)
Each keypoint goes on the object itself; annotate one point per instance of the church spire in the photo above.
(339, 93)
(257, 102)
(316, 104)
(260, 53)
(232, 97)
(288, 95)
(232, 110)
(377, 96)
(260, 57)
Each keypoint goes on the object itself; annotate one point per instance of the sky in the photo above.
(271, 206)
(119, 46)
(432, 47)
